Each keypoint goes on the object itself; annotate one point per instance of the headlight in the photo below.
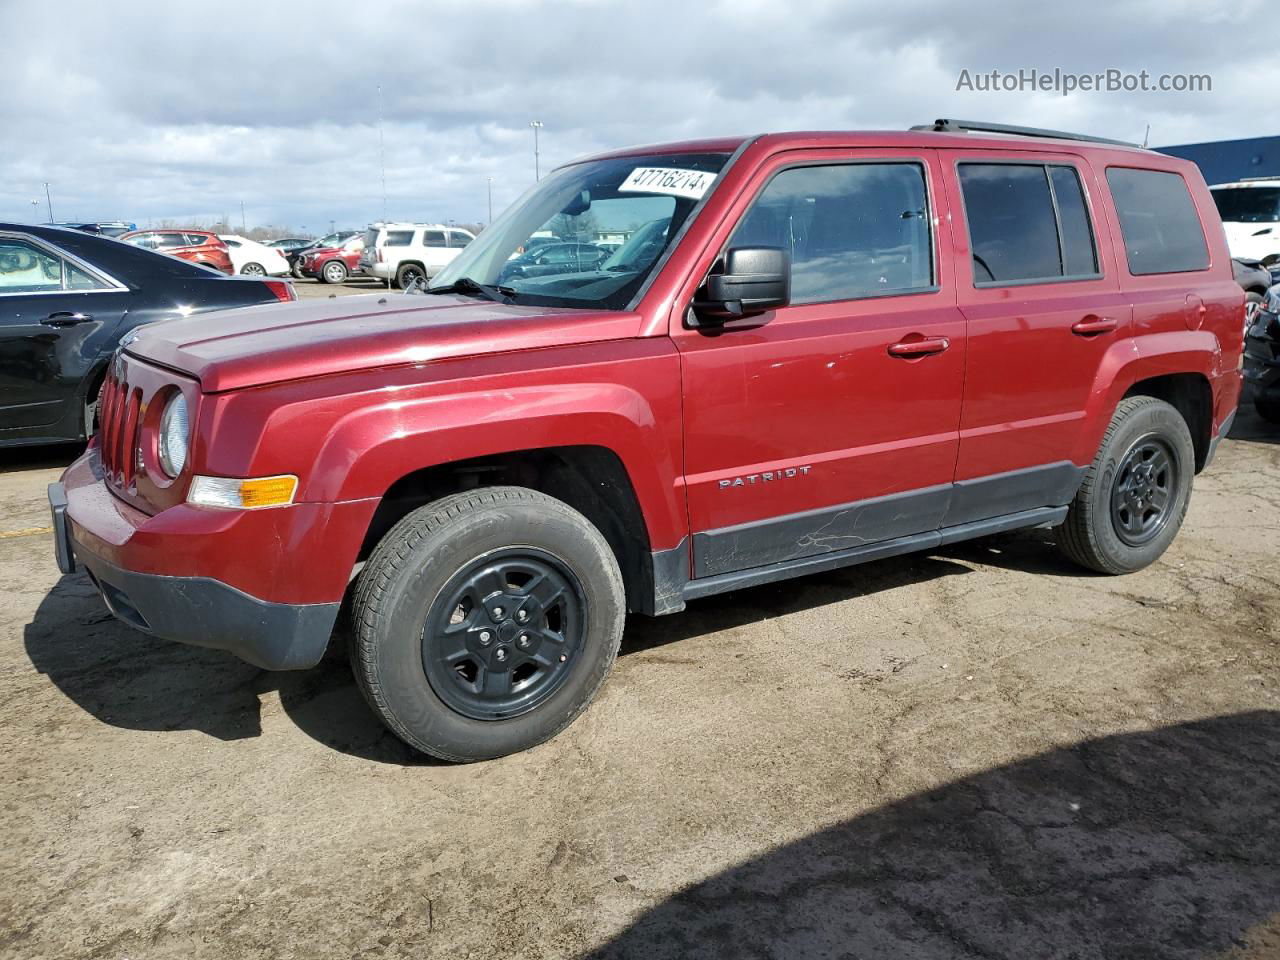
(175, 429)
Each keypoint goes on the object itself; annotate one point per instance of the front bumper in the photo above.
(183, 574)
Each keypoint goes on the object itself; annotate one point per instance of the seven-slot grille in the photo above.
(119, 419)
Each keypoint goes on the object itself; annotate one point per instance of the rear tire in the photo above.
(1134, 496)
(485, 622)
(91, 407)
(253, 270)
(1268, 408)
(1253, 302)
(408, 273)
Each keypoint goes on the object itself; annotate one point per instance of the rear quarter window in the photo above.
(398, 238)
(1158, 220)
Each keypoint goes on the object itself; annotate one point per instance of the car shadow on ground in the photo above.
(137, 682)
(1250, 427)
(39, 458)
(1160, 844)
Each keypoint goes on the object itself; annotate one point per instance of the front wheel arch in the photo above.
(592, 480)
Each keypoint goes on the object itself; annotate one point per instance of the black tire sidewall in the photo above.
(405, 273)
(410, 704)
(1152, 419)
(1268, 406)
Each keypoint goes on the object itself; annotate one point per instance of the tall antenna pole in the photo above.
(537, 125)
(1146, 136)
(490, 184)
(48, 201)
(382, 153)
(243, 228)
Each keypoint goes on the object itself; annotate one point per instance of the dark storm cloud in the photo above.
(148, 110)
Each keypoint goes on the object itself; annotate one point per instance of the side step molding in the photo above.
(740, 579)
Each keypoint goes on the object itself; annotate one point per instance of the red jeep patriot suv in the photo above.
(810, 350)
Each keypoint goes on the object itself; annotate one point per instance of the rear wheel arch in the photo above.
(1192, 396)
(591, 479)
(89, 398)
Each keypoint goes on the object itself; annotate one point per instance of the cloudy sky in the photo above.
(142, 110)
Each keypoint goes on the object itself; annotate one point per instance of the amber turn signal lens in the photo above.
(243, 494)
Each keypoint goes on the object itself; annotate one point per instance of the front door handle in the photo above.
(908, 349)
(1092, 325)
(65, 318)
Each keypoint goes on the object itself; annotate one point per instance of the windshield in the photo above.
(588, 235)
(1248, 204)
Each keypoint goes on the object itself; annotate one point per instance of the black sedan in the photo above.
(66, 300)
(553, 259)
(1262, 357)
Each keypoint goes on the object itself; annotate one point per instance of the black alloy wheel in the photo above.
(1142, 491)
(504, 634)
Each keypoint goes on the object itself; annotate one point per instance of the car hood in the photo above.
(252, 346)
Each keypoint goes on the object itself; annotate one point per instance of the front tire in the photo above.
(335, 271)
(485, 622)
(1134, 496)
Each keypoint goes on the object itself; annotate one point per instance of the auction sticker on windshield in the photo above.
(677, 183)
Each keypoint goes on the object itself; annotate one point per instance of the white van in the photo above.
(1250, 211)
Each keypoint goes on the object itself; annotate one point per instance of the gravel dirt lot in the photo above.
(981, 752)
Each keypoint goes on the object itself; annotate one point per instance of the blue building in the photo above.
(1223, 161)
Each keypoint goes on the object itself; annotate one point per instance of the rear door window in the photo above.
(434, 238)
(458, 239)
(1028, 223)
(1159, 222)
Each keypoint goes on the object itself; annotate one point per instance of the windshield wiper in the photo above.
(465, 285)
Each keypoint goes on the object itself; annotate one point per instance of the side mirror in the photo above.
(753, 280)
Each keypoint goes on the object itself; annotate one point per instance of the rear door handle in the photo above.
(65, 318)
(919, 348)
(1092, 325)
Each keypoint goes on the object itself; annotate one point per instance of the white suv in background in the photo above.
(1250, 211)
(404, 252)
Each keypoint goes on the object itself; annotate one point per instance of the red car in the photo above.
(810, 350)
(333, 264)
(195, 246)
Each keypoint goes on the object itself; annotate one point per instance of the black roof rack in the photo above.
(978, 126)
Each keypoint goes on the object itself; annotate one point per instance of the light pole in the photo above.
(537, 125)
(243, 228)
(48, 201)
(490, 186)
